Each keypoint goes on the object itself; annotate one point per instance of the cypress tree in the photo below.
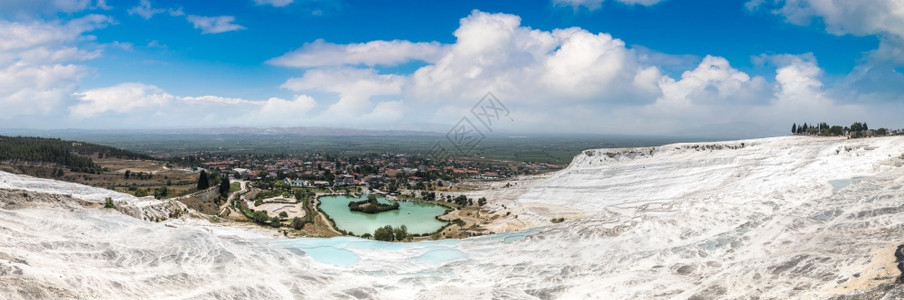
(224, 185)
(203, 182)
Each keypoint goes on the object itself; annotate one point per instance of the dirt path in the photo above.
(323, 218)
(243, 188)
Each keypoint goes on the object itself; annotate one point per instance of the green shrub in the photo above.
(260, 217)
(108, 203)
(297, 223)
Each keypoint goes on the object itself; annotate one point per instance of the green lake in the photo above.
(418, 217)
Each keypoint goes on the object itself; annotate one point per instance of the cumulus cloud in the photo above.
(276, 3)
(799, 93)
(145, 10)
(280, 111)
(355, 87)
(16, 36)
(875, 76)
(842, 17)
(32, 7)
(566, 79)
(493, 52)
(121, 98)
(596, 4)
(572, 79)
(214, 25)
(713, 82)
(38, 70)
(531, 69)
(150, 104)
(321, 53)
(387, 111)
(884, 18)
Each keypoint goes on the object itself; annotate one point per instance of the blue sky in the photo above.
(582, 66)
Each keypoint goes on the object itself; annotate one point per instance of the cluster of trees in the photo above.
(856, 129)
(204, 183)
(73, 155)
(46, 150)
(371, 205)
(460, 200)
(138, 175)
(106, 151)
(389, 234)
(262, 218)
(464, 200)
(161, 192)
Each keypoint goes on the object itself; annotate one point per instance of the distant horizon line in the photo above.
(344, 131)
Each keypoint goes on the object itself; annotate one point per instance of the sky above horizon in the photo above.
(570, 66)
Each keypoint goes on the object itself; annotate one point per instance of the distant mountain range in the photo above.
(297, 131)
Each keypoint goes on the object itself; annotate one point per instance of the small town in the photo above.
(386, 172)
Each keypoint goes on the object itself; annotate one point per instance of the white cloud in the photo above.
(884, 18)
(33, 7)
(386, 111)
(37, 70)
(145, 10)
(213, 25)
(596, 4)
(321, 53)
(175, 12)
(552, 80)
(30, 90)
(102, 4)
(713, 82)
(276, 3)
(140, 103)
(121, 98)
(214, 100)
(843, 17)
(798, 84)
(355, 87)
(56, 55)
(208, 25)
(493, 52)
(800, 95)
(17, 36)
(875, 76)
(280, 111)
(585, 63)
(572, 79)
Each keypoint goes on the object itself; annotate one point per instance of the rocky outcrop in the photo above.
(154, 210)
(148, 209)
(13, 198)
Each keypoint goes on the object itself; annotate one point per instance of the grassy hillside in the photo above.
(76, 156)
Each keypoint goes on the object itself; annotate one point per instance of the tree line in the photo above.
(857, 129)
(73, 155)
(371, 205)
(389, 233)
